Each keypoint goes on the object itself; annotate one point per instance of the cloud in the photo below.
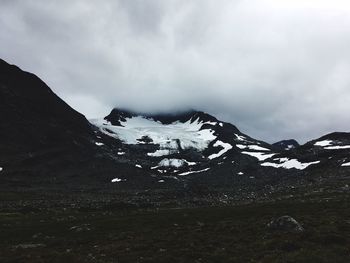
(276, 69)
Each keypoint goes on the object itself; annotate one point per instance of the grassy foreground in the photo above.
(211, 234)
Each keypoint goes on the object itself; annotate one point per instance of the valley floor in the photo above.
(203, 234)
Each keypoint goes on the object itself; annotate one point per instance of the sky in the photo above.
(277, 69)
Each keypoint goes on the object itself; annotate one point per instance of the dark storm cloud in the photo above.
(276, 69)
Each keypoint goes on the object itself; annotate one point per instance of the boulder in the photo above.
(285, 224)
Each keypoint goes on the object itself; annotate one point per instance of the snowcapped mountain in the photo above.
(331, 151)
(45, 142)
(179, 144)
(194, 142)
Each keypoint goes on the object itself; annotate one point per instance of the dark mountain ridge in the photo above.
(43, 141)
(119, 115)
(33, 117)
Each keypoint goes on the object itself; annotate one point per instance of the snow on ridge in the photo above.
(257, 148)
(337, 147)
(331, 145)
(226, 147)
(323, 143)
(292, 163)
(251, 147)
(240, 138)
(260, 156)
(190, 163)
(194, 172)
(210, 123)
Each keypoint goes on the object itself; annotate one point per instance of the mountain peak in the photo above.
(118, 115)
(286, 144)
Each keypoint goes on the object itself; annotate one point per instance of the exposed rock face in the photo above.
(286, 145)
(285, 224)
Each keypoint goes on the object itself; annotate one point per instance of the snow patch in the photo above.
(259, 156)
(161, 181)
(340, 147)
(210, 123)
(344, 164)
(171, 162)
(138, 166)
(293, 163)
(324, 143)
(117, 180)
(289, 147)
(225, 146)
(175, 162)
(240, 138)
(194, 172)
(240, 146)
(190, 163)
(281, 160)
(252, 147)
(257, 148)
(99, 143)
(1, 169)
(120, 153)
(159, 153)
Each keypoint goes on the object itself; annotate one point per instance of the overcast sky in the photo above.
(275, 68)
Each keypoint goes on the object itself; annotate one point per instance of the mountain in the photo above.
(286, 145)
(195, 142)
(328, 155)
(46, 144)
(180, 144)
(33, 117)
(43, 140)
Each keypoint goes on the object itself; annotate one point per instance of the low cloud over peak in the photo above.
(276, 69)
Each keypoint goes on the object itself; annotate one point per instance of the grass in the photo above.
(211, 234)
